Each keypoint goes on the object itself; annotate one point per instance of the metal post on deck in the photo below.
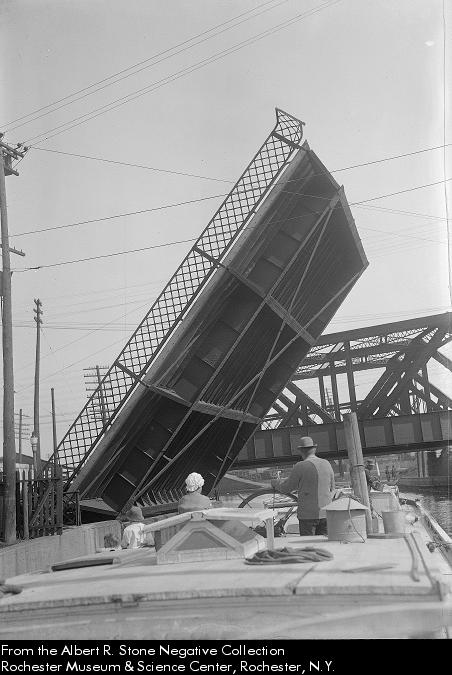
(355, 456)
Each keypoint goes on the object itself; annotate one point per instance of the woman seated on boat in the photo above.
(134, 535)
(194, 500)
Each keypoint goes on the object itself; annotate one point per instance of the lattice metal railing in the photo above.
(180, 292)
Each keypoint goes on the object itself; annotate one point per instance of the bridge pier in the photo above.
(438, 462)
(434, 463)
(421, 464)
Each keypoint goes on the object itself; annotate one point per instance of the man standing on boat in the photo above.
(313, 479)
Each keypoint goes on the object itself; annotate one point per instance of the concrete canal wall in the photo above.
(38, 554)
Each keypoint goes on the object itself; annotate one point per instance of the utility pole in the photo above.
(55, 442)
(7, 154)
(93, 381)
(37, 318)
(21, 428)
(20, 436)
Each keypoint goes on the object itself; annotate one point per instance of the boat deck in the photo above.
(212, 599)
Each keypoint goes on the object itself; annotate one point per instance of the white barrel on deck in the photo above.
(346, 520)
(381, 501)
(394, 522)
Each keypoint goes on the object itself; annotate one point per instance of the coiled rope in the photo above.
(290, 555)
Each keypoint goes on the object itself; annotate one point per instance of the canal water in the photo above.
(437, 500)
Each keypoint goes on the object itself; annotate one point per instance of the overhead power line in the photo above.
(201, 199)
(136, 166)
(344, 319)
(446, 200)
(82, 119)
(123, 315)
(386, 159)
(223, 180)
(95, 85)
(416, 214)
(112, 255)
(399, 192)
(119, 215)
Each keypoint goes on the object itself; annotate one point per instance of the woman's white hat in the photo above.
(194, 481)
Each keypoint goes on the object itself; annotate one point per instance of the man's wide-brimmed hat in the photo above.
(305, 443)
(134, 515)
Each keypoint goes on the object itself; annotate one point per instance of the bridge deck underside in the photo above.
(264, 307)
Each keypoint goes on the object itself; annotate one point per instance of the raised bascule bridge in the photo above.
(217, 348)
(403, 412)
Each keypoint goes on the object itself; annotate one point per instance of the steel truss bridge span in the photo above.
(405, 351)
(232, 325)
(379, 436)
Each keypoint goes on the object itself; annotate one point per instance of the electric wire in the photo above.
(136, 166)
(118, 215)
(223, 180)
(399, 192)
(360, 316)
(132, 96)
(90, 332)
(172, 243)
(401, 212)
(75, 363)
(52, 353)
(446, 201)
(95, 87)
(155, 246)
(20, 234)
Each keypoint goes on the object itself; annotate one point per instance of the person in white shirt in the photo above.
(133, 535)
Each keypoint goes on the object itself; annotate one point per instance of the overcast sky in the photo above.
(365, 76)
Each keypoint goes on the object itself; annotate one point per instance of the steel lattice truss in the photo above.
(180, 292)
(403, 349)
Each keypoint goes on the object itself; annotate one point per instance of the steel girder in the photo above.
(303, 408)
(379, 436)
(387, 346)
(429, 393)
(394, 384)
